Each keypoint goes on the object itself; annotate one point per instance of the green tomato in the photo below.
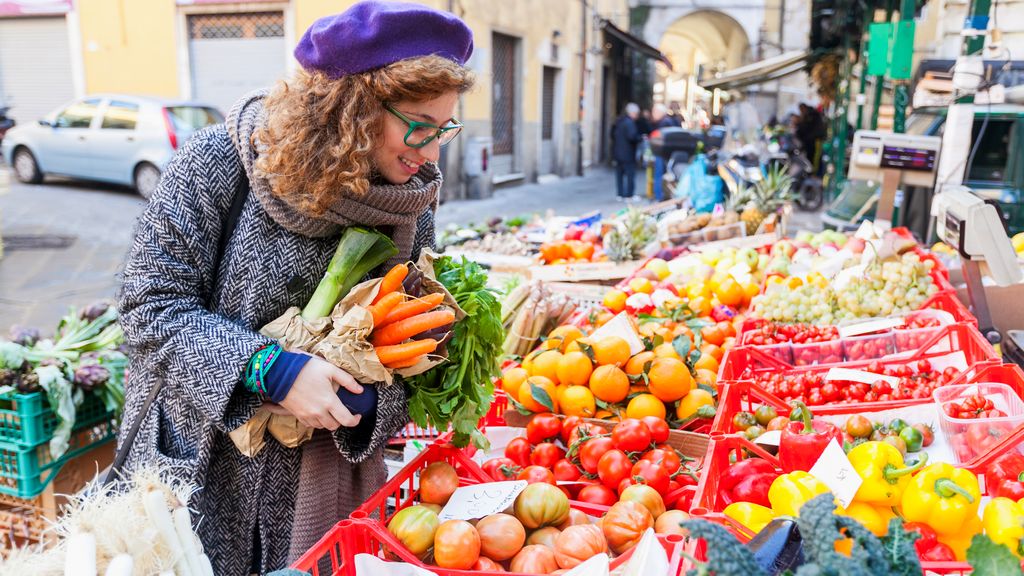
(913, 437)
(898, 425)
(765, 414)
(753, 432)
(743, 420)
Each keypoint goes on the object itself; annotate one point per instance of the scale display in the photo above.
(903, 158)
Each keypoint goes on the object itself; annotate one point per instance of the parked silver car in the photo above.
(113, 138)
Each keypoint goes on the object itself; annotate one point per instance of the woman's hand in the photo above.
(313, 399)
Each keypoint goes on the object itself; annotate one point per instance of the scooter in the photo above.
(6, 123)
(741, 171)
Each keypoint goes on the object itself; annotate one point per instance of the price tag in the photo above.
(957, 360)
(370, 565)
(770, 438)
(622, 327)
(859, 376)
(596, 565)
(471, 502)
(648, 557)
(834, 469)
(870, 326)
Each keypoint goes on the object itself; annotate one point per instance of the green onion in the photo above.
(359, 251)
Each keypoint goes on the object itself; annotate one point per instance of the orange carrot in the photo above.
(400, 352)
(384, 306)
(405, 363)
(391, 282)
(411, 308)
(400, 331)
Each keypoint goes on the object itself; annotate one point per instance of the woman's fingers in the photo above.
(342, 415)
(346, 381)
(276, 409)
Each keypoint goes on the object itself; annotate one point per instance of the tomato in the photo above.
(534, 559)
(765, 414)
(646, 496)
(543, 427)
(576, 544)
(927, 536)
(414, 527)
(592, 450)
(544, 537)
(576, 518)
(658, 427)
(927, 433)
(624, 524)
(597, 494)
(541, 505)
(651, 473)
(437, 483)
(565, 471)
(568, 425)
(584, 430)
(501, 536)
(613, 467)
(546, 454)
(501, 469)
(485, 564)
(743, 420)
(534, 474)
(668, 523)
(631, 435)
(669, 459)
(858, 426)
(518, 450)
(456, 545)
(626, 483)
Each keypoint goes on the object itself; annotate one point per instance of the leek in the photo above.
(359, 251)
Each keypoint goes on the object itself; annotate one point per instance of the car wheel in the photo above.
(25, 167)
(147, 177)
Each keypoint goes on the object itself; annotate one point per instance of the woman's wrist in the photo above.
(272, 371)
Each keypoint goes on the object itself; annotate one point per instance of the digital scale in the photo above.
(893, 159)
(975, 229)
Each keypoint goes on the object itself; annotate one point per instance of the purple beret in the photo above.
(373, 34)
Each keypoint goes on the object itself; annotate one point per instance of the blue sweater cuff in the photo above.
(279, 379)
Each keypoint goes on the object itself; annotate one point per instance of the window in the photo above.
(193, 117)
(120, 116)
(79, 114)
(990, 161)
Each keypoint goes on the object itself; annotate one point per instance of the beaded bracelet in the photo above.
(258, 367)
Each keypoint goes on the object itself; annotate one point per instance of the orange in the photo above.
(561, 337)
(638, 387)
(527, 399)
(717, 351)
(603, 317)
(527, 362)
(713, 334)
(581, 250)
(729, 343)
(611, 350)
(695, 399)
(546, 364)
(728, 329)
(609, 384)
(512, 379)
(730, 292)
(577, 345)
(641, 285)
(700, 305)
(697, 289)
(666, 350)
(615, 300)
(669, 379)
(707, 361)
(578, 401)
(645, 405)
(574, 369)
(707, 378)
(649, 329)
(635, 366)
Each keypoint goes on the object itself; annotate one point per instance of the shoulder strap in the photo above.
(237, 203)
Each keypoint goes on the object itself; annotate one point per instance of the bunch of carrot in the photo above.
(405, 329)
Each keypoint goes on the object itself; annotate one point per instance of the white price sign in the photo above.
(469, 502)
(834, 469)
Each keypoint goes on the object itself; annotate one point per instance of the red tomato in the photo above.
(546, 454)
(592, 450)
(631, 435)
(568, 425)
(626, 483)
(537, 474)
(613, 467)
(518, 450)
(927, 535)
(658, 427)
(501, 469)
(543, 427)
(668, 459)
(652, 474)
(584, 430)
(598, 494)
(565, 471)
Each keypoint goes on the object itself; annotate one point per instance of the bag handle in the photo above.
(241, 193)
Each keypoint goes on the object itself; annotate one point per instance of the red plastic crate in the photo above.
(335, 553)
(494, 417)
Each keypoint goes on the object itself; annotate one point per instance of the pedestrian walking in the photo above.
(661, 119)
(625, 137)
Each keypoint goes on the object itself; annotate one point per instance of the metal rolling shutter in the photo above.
(35, 66)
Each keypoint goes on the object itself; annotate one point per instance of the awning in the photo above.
(759, 72)
(635, 43)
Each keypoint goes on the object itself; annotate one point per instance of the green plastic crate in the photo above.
(25, 472)
(27, 420)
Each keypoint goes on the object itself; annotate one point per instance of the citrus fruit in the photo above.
(713, 334)
(700, 305)
(707, 361)
(574, 369)
(666, 350)
(707, 378)
(546, 364)
(615, 300)
(730, 293)
(669, 379)
(645, 405)
(635, 366)
(530, 402)
(561, 337)
(512, 379)
(691, 402)
(659, 267)
(641, 285)
(609, 384)
(611, 350)
(578, 401)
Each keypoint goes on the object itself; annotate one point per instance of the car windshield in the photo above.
(190, 118)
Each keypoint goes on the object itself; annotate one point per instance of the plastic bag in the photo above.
(702, 190)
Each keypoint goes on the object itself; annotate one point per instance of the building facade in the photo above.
(539, 108)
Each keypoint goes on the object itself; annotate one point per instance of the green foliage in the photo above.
(991, 559)
(726, 555)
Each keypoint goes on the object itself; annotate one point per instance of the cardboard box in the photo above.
(1004, 305)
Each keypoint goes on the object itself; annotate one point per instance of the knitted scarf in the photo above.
(395, 206)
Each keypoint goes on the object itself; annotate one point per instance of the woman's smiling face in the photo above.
(393, 159)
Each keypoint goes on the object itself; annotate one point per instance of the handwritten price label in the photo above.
(834, 469)
(471, 502)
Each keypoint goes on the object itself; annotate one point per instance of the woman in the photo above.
(352, 139)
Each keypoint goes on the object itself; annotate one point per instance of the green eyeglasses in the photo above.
(422, 133)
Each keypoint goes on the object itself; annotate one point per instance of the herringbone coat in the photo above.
(193, 323)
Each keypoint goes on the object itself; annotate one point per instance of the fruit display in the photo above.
(765, 197)
(499, 243)
(528, 312)
(629, 236)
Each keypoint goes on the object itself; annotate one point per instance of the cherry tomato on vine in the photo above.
(565, 471)
(546, 454)
(652, 474)
(501, 469)
(543, 427)
(537, 474)
(631, 435)
(568, 425)
(613, 467)
(518, 450)
(592, 450)
(658, 427)
(598, 494)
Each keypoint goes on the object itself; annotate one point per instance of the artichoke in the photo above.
(50, 361)
(28, 383)
(26, 336)
(8, 377)
(91, 376)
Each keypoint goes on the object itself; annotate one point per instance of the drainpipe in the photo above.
(582, 95)
(463, 179)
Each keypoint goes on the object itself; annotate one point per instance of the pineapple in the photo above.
(616, 245)
(765, 197)
(630, 235)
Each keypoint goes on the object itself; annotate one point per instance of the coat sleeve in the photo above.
(169, 276)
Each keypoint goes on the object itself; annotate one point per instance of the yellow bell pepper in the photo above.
(960, 542)
(874, 518)
(885, 475)
(789, 492)
(942, 497)
(1003, 521)
(749, 515)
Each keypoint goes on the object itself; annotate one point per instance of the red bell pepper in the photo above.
(747, 481)
(804, 440)
(1005, 476)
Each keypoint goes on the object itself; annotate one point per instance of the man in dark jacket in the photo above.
(625, 137)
